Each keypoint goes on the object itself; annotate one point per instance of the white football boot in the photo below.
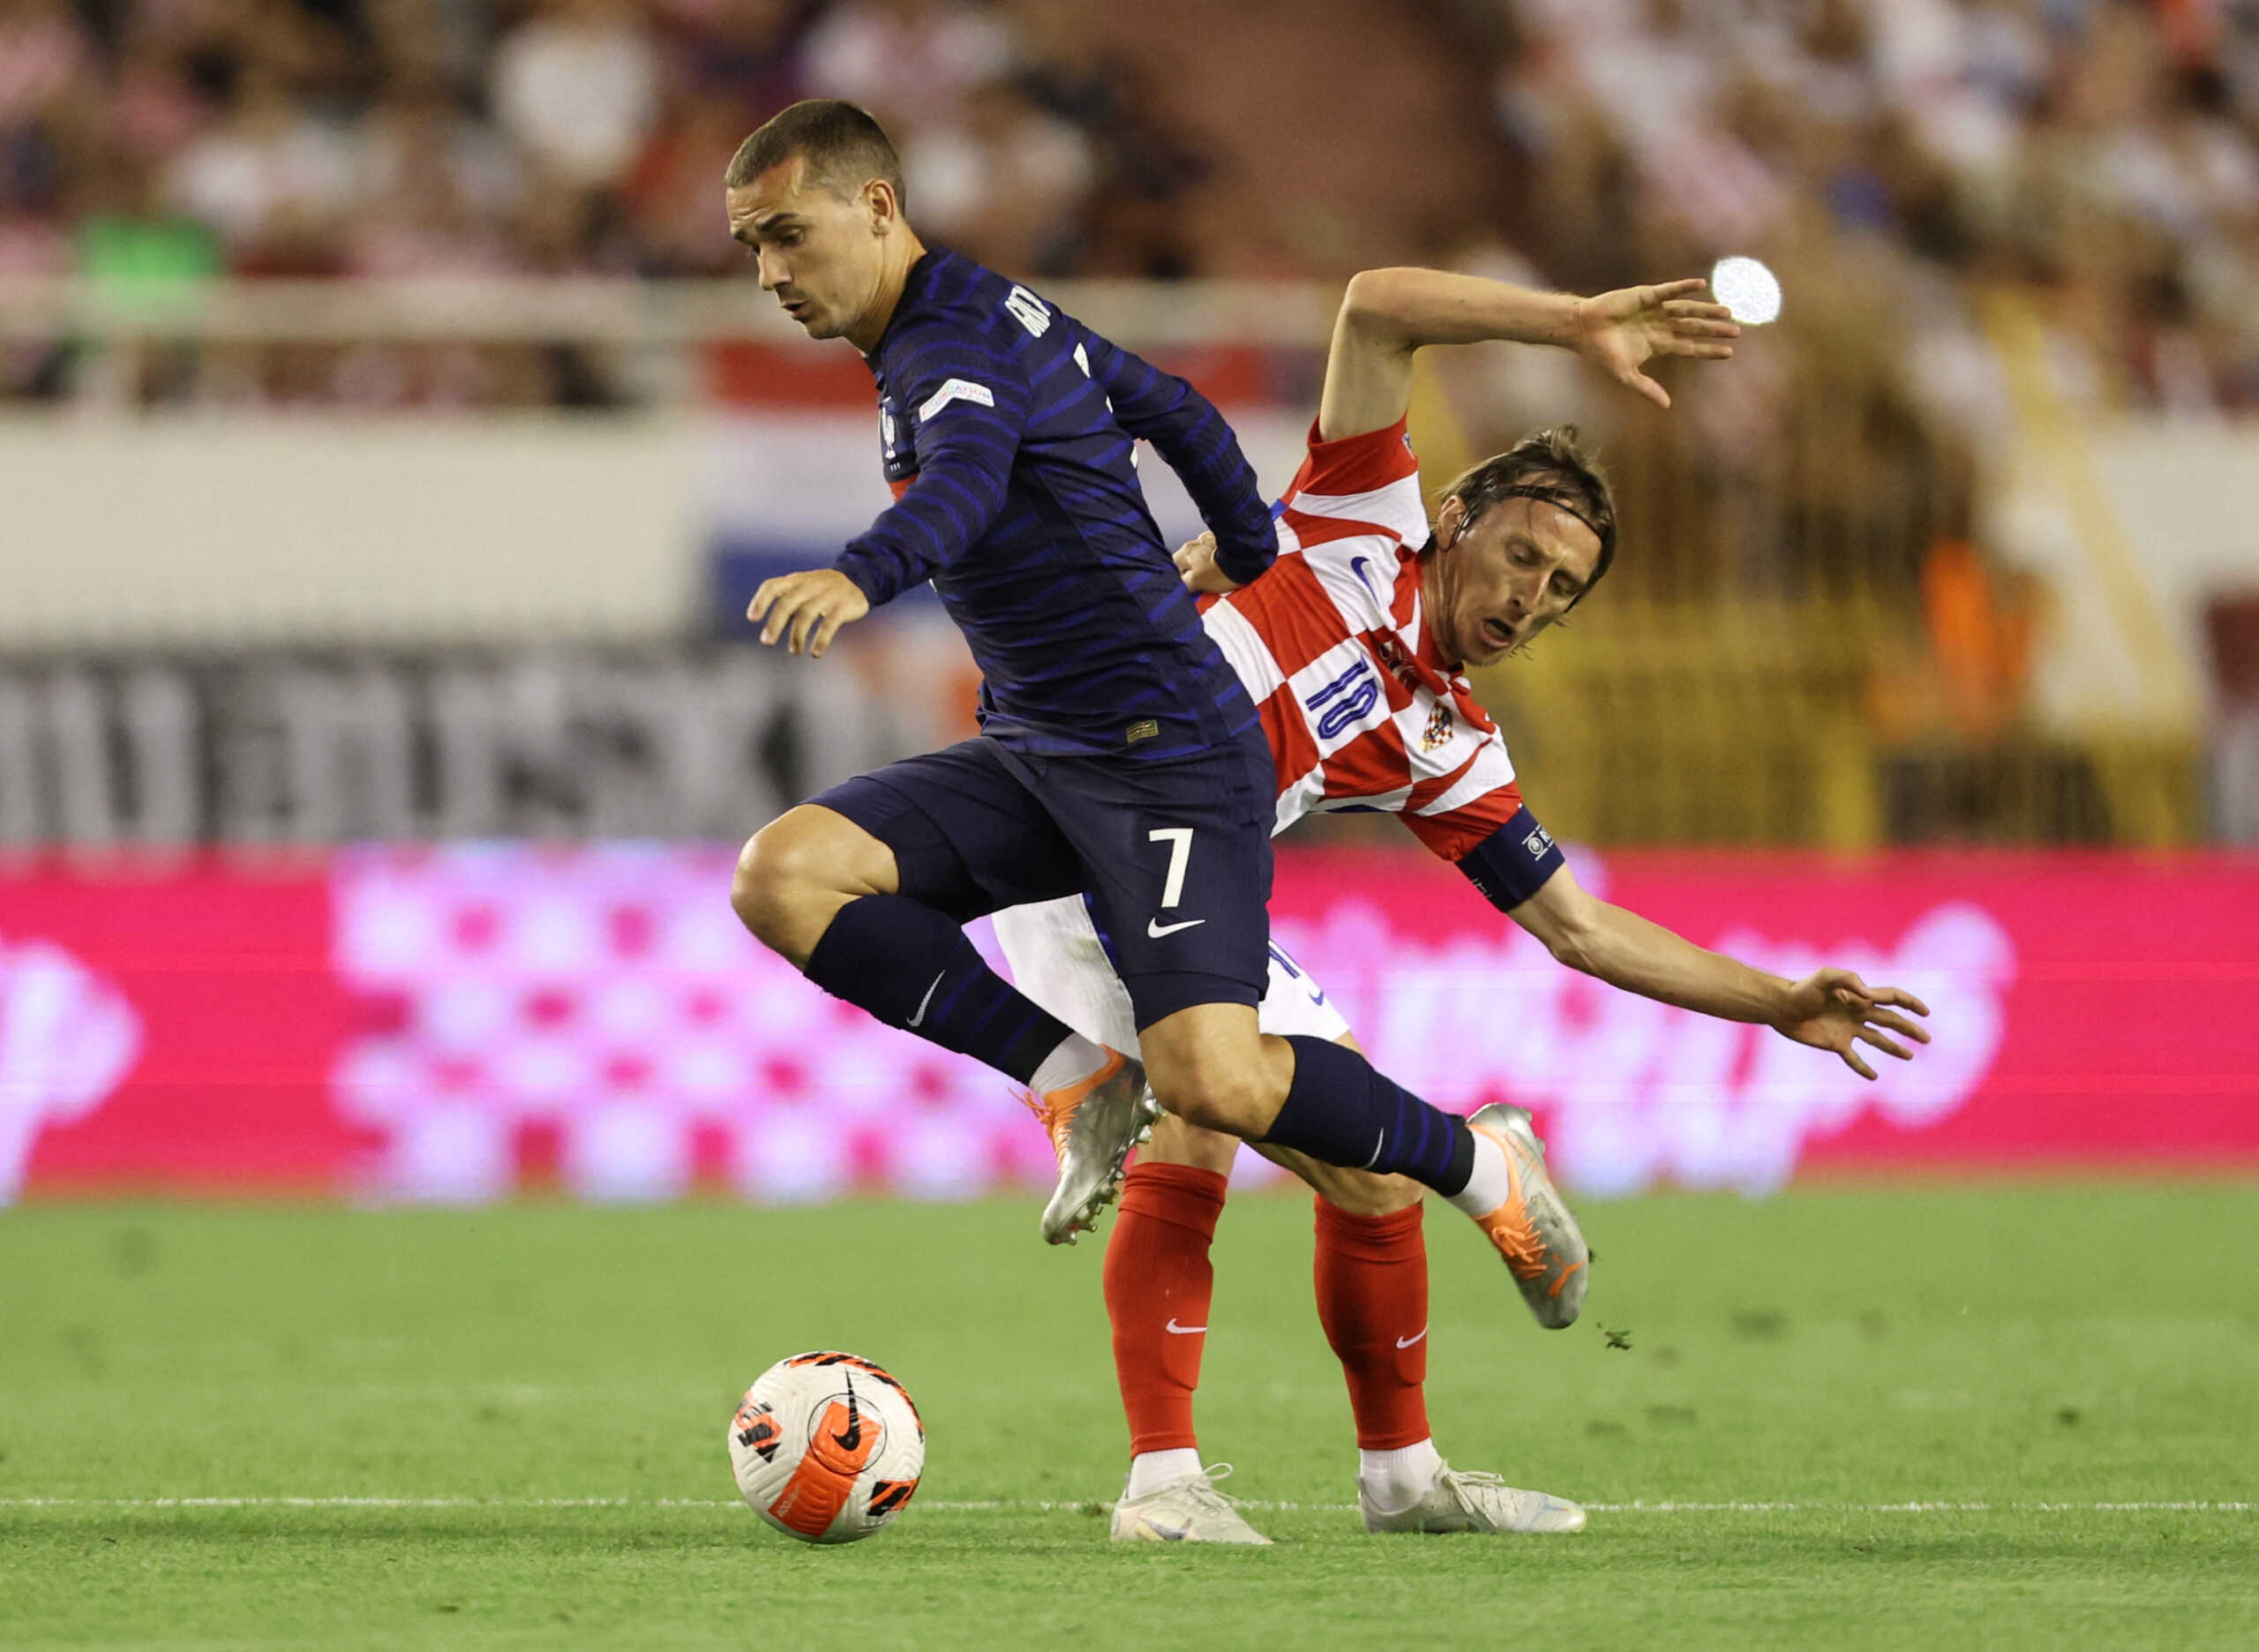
(1532, 1230)
(1458, 1502)
(1190, 1510)
(1093, 1125)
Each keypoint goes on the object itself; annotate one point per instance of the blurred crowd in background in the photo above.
(1990, 218)
(448, 138)
(2102, 150)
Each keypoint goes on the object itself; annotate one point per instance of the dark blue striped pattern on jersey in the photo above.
(1008, 429)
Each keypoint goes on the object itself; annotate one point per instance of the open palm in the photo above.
(1620, 332)
(1834, 1010)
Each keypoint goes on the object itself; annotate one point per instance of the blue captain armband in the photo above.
(1513, 862)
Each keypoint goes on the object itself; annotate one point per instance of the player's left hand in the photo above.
(807, 610)
(1195, 563)
(1620, 331)
(1834, 1010)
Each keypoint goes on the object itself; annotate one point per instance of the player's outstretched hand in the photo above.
(1835, 1009)
(807, 610)
(1619, 332)
(1195, 562)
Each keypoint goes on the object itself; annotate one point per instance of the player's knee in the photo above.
(1214, 1070)
(755, 889)
(1215, 1096)
(781, 882)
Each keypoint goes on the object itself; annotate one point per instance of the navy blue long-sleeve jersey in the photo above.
(1006, 428)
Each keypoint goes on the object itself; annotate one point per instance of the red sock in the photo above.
(1372, 1299)
(1158, 1282)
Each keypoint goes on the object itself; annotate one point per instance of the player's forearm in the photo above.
(949, 505)
(1628, 951)
(1206, 458)
(1198, 444)
(1413, 308)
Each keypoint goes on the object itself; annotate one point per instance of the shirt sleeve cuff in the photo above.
(865, 574)
(1241, 564)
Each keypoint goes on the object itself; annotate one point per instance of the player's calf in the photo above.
(1358, 1193)
(822, 889)
(1354, 1192)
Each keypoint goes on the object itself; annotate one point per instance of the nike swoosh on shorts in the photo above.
(1155, 928)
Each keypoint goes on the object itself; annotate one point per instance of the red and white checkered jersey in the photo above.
(1333, 647)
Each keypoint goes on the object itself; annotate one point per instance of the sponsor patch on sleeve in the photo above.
(955, 390)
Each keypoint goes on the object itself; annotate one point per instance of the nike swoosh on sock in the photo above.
(920, 1017)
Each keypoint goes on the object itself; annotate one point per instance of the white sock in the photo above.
(1492, 1185)
(1076, 1059)
(1393, 1481)
(1150, 1471)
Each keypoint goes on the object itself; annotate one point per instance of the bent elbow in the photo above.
(1373, 298)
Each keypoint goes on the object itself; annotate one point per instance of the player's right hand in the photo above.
(1195, 564)
(807, 609)
(1619, 331)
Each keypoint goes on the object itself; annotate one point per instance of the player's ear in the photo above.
(1450, 521)
(879, 201)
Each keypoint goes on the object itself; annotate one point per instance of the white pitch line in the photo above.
(1001, 1505)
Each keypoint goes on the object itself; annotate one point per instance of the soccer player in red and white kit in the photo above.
(1354, 646)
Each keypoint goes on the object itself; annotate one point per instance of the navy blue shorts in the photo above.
(1174, 857)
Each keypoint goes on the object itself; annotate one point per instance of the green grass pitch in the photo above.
(2005, 1416)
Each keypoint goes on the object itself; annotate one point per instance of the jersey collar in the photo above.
(1450, 679)
(916, 283)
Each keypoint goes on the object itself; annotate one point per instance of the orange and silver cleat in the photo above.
(1534, 1231)
(1092, 1126)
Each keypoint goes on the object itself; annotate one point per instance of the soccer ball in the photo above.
(827, 1447)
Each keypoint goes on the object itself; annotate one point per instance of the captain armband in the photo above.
(1513, 862)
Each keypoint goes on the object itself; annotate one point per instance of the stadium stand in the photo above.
(1872, 574)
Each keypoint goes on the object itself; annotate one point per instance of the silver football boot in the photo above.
(1093, 1127)
(1542, 1247)
(1458, 1502)
(1190, 1510)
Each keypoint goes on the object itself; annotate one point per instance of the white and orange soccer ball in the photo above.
(827, 1447)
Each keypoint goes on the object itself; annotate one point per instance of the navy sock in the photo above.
(1339, 1110)
(913, 968)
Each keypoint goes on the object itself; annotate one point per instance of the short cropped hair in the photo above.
(844, 148)
(1552, 466)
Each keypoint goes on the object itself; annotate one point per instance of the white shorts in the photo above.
(1057, 960)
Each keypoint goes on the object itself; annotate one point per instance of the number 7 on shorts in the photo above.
(1179, 839)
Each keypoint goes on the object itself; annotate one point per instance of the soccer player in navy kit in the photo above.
(1119, 754)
